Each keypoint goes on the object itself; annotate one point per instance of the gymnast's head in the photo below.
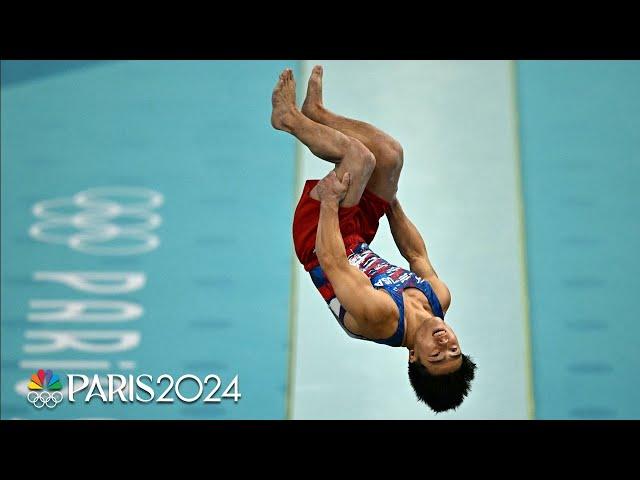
(439, 372)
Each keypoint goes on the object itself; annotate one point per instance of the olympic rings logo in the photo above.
(40, 399)
(101, 221)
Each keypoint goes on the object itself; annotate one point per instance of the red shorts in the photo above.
(358, 223)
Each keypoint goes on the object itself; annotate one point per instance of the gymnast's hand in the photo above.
(330, 189)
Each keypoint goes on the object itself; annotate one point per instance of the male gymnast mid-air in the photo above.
(335, 221)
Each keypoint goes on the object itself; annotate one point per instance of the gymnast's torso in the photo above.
(404, 287)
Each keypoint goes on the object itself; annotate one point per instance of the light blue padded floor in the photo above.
(217, 292)
(580, 137)
(456, 123)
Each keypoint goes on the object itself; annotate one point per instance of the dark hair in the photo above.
(442, 392)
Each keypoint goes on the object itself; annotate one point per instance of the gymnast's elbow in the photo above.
(331, 262)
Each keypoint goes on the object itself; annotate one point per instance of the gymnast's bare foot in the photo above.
(283, 100)
(312, 106)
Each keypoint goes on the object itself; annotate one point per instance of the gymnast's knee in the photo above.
(362, 156)
(390, 155)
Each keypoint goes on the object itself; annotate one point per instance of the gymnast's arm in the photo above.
(352, 287)
(412, 247)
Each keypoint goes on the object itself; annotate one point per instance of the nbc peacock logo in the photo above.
(44, 389)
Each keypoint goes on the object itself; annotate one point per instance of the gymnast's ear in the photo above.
(412, 356)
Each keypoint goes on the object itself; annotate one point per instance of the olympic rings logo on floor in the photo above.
(40, 399)
(101, 221)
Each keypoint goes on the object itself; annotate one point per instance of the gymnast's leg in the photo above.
(349, 154)
(387, 151)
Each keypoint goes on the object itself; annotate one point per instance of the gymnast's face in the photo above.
(436, 347)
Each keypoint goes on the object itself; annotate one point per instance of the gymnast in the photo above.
(337, 218)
